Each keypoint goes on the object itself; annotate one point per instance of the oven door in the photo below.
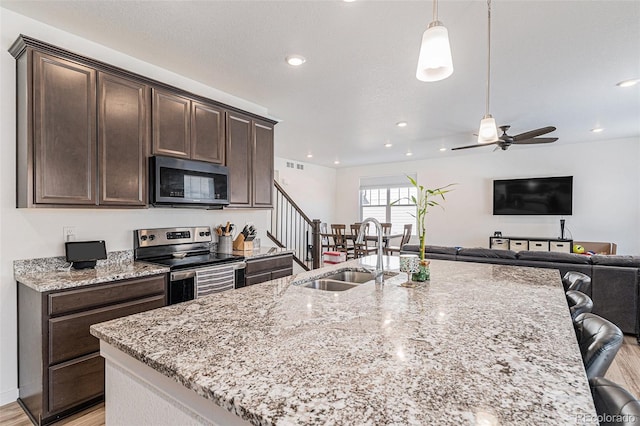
(197, 282)
(182, 286)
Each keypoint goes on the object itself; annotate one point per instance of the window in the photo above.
(376, 197)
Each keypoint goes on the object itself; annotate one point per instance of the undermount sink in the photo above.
(329, 285)
(342, 280)
(351, 276)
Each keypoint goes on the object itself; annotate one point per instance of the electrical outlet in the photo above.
(69, 233)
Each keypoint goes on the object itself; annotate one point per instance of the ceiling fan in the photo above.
(526, 138)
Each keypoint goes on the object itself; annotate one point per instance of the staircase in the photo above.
(291, 228)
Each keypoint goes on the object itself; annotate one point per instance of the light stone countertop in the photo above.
(478, 344)
(263, 252)
(65, 278)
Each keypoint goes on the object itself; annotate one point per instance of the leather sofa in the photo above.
(614, 278)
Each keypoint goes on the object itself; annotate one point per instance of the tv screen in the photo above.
(534, 196)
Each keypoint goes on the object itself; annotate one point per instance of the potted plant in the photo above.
(424, 199)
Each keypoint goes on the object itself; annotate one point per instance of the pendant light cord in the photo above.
(488, 52)
(435, 10)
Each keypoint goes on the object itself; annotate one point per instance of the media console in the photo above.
(532, 244)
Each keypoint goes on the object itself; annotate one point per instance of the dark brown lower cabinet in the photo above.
(268, 268)
(60, 368)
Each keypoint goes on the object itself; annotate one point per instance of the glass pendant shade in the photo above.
(488, 130)
(434, 62)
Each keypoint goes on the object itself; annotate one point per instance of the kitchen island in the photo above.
(478, 344)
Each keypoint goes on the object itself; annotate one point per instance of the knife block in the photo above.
(241, 245)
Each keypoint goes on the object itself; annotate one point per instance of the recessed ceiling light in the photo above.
(597, 130)
(295, 60)
(336, 162)
(401, 124)
(348, 1)
(628, 83)
(409, 154)
(443, 149)
(309, 155)
(388, 145)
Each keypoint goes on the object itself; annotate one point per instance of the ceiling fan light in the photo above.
(435, 62)
(488, 131)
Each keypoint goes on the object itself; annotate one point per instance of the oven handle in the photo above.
(182, 275)
(190, 273)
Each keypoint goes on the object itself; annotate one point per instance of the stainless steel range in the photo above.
(195, 270)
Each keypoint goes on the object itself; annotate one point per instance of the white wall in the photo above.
(29, 233)
(312, 188)
(606, 203)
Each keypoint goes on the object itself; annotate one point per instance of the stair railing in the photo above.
(291, 228)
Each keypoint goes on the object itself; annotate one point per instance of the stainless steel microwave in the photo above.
(183, 183)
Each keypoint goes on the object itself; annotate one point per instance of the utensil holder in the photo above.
(225, 244)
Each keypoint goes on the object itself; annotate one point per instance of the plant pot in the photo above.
(423, 274)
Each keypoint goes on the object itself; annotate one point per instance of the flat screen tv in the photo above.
(534, 196)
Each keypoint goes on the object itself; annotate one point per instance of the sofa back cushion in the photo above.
(551, 256)
(616, 260)
(487, 253)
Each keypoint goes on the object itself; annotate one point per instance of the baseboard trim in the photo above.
(9, 396)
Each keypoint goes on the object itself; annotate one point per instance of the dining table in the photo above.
(385, 237)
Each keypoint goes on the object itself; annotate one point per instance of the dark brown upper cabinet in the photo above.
(123, 140)
(83, 136)
(186, 128)
(250, 161)
(63, 99)
(85, 130)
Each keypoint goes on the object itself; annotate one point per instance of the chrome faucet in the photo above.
(379, 272)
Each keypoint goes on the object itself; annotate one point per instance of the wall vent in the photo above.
(290, 165)
(300, 166)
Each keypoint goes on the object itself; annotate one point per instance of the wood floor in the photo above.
(625, 371)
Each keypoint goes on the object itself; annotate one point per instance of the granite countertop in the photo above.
(263, 252)
(478, 344)
(65, 278)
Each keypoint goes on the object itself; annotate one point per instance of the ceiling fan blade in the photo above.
(475, 145)
(534, 133)
(535, 140)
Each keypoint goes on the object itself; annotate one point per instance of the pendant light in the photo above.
(488, 131)
(434, 62)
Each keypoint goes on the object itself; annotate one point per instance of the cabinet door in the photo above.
(262, 164)
(76, 381)
(122, 140)
(239, 158)
(64, 123)
(207, 132)
(171, 122)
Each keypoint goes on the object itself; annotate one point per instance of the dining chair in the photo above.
(599, 341)
(325, 243)
(579, 303)
(386, 228)
(577, 281)
(360, 250)
(338, 232)
(406, 236)
(614, 404)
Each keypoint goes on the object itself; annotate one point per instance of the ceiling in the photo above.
(553, 63)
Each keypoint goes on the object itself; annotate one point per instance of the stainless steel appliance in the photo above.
(195, 270)
(187, 183)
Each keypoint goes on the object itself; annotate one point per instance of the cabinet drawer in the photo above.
(518, 245)
(561, 247)
(76, 381)
(69, 335)
(268, 264)
(281, 273)
(539, 245)
(86, 298)
(257, 279)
